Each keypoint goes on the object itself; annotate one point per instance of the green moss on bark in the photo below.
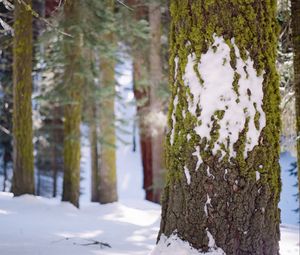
(73, 82)
(23, 179)
(252, 26)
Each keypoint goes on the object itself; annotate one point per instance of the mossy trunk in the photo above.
(94, 155)
(73, 82)
(23, 179)
(222, 152)
(157, 129)
(107, 153)
(296, 43)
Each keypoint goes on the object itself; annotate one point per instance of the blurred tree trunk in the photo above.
(72, 111)
(6, 80)
(296, 44)
(223, 183)
(94, 154)
(156, 106)
(23, 180)
(142, 97)
(107, 153)
(141, 94)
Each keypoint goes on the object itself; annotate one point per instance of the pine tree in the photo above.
(72, 111)
(23, 179)
(222, 153)
(296, 43)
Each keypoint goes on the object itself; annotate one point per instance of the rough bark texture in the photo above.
(243, 215)
(296, 43)
(72, 111)
(23, 180)
(155, 101)
(107, 156)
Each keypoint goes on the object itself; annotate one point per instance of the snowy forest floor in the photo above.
(40, 226)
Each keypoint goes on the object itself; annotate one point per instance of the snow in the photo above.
(35, 225)
(207, 203)
(216, 93)
(199, 159)
(174, 245)
(187, 175)
(257, 174)
(173, 116)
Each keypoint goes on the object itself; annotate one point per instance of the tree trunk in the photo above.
(23, 180)
(157, 127)
(142, 96)
(54, 163)
(108, 175)
(296, 44)
(72, 111)
(222, 152)
(107, 157)
(94, 155)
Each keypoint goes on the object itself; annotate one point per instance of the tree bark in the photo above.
(295, 6)
(157, 128)
(23, 179)
(107, 156)
(94, 155)
(223, 183)
(142, 95)
(72, 111)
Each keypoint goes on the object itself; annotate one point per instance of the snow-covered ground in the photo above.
(41, 226)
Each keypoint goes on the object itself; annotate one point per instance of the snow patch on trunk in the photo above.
(187, 175)
(175, 103)
(216, 94)
(174, 245)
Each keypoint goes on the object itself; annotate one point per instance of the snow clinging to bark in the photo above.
(217, 94)
(174, 245)
(175, 103)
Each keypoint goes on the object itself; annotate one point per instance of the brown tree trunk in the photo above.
(23, 179)
(54, 168)
(142, 96)
(107, 153)
(157, 128)
(222, 152)
(72, 111)
(94, 155)
(296, 44)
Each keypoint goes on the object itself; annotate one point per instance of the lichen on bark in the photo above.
(73, 84)
(243, 215)
(107, 153)
(23, 179)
